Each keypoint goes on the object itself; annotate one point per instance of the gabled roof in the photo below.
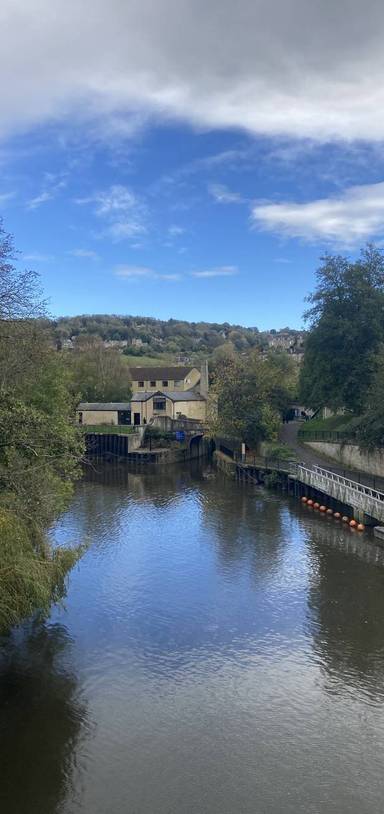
(173, 372)
(109, 405)
(172, 395)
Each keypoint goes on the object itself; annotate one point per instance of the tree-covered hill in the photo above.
(146, 335)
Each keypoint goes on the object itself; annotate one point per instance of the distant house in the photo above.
(119, 344)
(171, 391)
(290, 341)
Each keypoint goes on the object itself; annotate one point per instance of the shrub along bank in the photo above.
(40, 448)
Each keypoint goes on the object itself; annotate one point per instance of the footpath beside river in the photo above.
(311, 457)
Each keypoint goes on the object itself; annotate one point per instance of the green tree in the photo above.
(346, 316)
(370, 432)
(244, 388)
(40, 446)
(98, 373)
(282, 374)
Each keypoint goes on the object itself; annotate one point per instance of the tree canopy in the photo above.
(98, 373)
(253, 394)
(346, 317)
(40, 446)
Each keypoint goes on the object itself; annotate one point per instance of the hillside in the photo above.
(147, 337)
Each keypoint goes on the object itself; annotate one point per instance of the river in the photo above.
(220, 650)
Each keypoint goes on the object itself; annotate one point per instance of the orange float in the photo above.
(337, 515)
(316, 505)
(329, 511)
(352, 524)
(361, 527)
(323, 508)
(309, 502)
(345, 519)
(304, 499)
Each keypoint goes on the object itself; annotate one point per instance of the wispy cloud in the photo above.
(223, 195)
(120, 208)
(86, 253)
(142, 272)
(52, 184)
(37, 257)
(34, 203)
(356, 215)
(176, 231)
(5, 197)
(220, 271)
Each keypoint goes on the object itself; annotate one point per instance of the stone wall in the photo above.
(225, 464)
(350, 456)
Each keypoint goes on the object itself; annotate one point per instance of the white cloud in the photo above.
(115, 199)
(220, 271)
(34, 203)
(223, 195)
(5, 197)
(134, 271)
(124, 214)
(356, 215)
(123, 229)
(52, 185)
(142, 272)
(38, 258)
(175, 231)
(86, 253)
(303, 68)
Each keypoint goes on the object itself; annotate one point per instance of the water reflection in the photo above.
(246, 525)
(228, 645)
(346, 604)
(42, 720)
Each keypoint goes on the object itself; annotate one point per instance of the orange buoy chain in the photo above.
(353, 524)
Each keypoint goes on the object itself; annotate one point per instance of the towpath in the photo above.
(309, 457)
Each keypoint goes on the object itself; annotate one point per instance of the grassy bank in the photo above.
(336, 428)
(109, 429)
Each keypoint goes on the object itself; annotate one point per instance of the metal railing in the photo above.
(351, 484)
(262, 462)
(326, 435)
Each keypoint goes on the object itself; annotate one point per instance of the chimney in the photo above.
(204, 381)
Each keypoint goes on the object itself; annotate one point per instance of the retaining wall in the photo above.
(350, 456)
(225, 464)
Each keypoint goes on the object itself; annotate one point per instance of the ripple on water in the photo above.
(219, 650)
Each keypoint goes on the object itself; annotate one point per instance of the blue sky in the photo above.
(173, 161)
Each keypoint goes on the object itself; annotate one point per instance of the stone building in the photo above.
(174, 392)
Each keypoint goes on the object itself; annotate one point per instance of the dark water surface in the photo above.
(220, 651)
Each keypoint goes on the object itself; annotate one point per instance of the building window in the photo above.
(165, 382)
(153, 384)
(124, 417)
(141, 384)
(159, 405)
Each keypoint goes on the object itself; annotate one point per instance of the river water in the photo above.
(220, 651)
